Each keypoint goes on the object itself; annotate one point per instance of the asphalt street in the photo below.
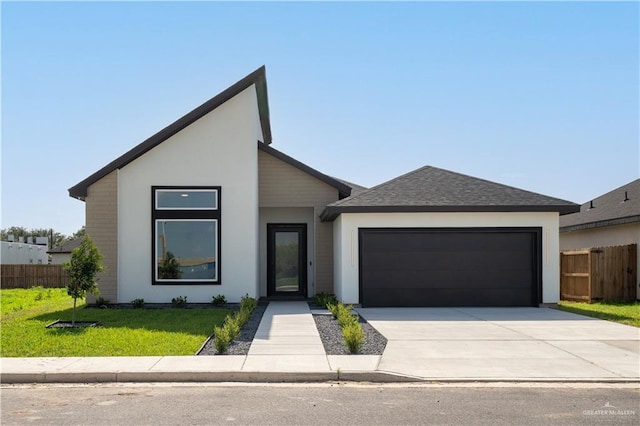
(320, 403)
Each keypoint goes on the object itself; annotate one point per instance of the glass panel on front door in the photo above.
(286, 259)
(287, 264)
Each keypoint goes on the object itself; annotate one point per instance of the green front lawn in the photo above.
(624, 313)
(123, 332)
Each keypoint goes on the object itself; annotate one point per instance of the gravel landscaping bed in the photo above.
(328, 328)
(241, 345)
(331, 336)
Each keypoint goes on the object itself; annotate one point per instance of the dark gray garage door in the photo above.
(450, 267)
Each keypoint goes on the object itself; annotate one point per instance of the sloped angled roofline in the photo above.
(258, 77)
(343, 189)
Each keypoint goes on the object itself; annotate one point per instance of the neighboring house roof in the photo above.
(66, 247)
(344, 190)
(617, 207)
(430, 189)
(258, 77)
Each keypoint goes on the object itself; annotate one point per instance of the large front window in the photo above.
(186, 231)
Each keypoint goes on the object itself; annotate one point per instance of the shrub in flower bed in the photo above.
(353, 336)
(324, 299)
(230, 330)
(349, 325)
(219, 300)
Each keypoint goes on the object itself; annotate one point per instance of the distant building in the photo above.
(62, 254)
(21, 253)
(612, 219)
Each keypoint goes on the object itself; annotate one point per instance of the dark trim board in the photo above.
(330, 213)
(445, 267)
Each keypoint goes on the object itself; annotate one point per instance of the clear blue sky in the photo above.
(542, 96)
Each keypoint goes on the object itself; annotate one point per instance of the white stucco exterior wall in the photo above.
(606, 236)
(346, 254)
(217, 150)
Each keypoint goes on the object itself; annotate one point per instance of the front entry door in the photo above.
(287, 259)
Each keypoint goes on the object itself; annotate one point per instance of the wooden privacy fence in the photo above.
(599, 273)
(26, 276)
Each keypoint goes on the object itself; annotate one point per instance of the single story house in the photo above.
(612, 219)
(207, 206)
(62, 254)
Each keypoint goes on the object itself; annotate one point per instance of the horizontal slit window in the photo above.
(193, 199)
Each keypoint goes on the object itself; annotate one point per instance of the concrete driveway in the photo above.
(504, 343)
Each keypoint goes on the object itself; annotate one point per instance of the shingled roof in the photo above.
(430, 189)
(617, 207)
(258, 77)
(67, 247)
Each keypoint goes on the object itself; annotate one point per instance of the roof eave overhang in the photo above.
(330, 213)
(600, 224)
(257, 78)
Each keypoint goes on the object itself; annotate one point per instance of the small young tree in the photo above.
(86, 262)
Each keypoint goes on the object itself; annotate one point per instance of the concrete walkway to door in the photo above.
(287, 340)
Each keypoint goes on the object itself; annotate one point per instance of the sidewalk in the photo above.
(424, 344)
(286, 347)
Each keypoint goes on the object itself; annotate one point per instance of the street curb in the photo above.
(270, 377)
(183, 376)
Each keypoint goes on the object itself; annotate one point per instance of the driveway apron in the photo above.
(504, 343)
